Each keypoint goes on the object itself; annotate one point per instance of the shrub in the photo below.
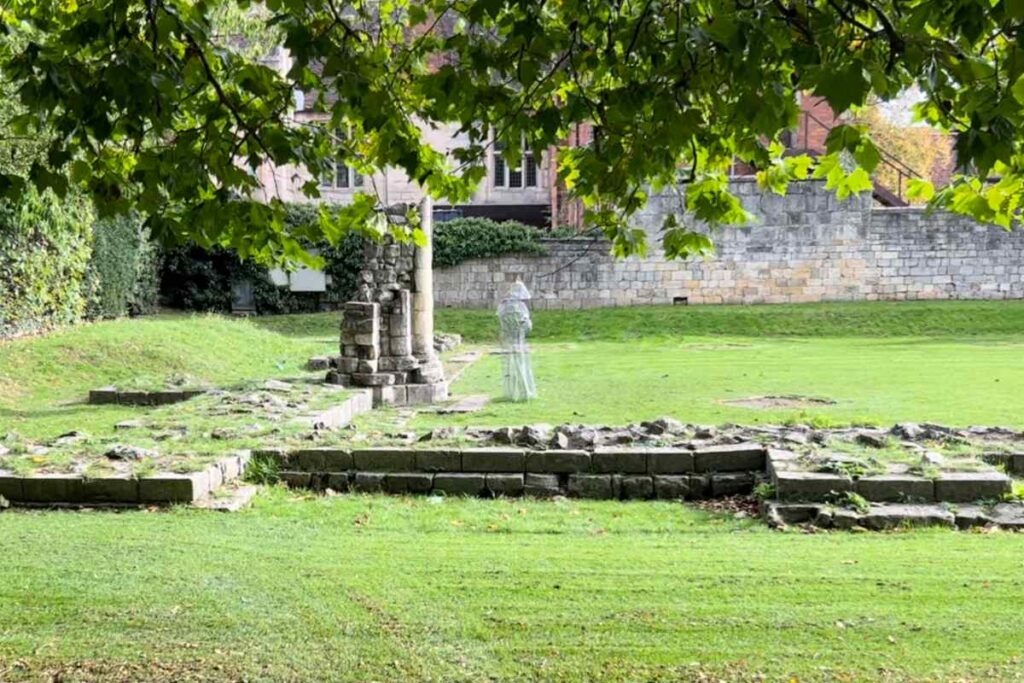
(200, 279)
(461, 239)
(124, 270)
(45, 244)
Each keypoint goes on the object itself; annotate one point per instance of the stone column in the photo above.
(430, 371)
(423, 282)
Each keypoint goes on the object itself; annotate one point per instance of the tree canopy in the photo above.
(153, 105)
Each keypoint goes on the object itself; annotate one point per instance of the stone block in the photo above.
(51, 488)
(504, 484)
(408, 482)
(558, 462)
(368, 482)
(742, 457)
(778, 460)
(493, 460)
(215, 476)
(811, 486)
(781, 514)
(133, 398)
(418, 394)
(891, 488)
(367, 339)
(541, 485)
(609, 459)
(965, 487)
(400, 346)
(882, 517)
(460, 483)
(590, 486)
(337, 481)
(731, 484)
(104, 395)
(1008, 516)
(669, 460)
(11, 487)
(439, 460)
(372, 379)
(338, 378)
(636, 487)
(383, 396)
(700, 486)
(384, 459)
(366, 367)
(122, 489)
(173, 488)
(672, 487)
(231, 467)
(296, 480)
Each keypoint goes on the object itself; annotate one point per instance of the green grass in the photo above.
(362, 588)
(869, 320)
(44, 381)
(878, 381)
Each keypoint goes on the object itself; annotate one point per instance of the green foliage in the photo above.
(198, 279)
(461, 239)
(124, 269)
(45, 244)
(263, 469)
(679, 91)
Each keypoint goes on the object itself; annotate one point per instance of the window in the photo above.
(523, 176)
(342, 177)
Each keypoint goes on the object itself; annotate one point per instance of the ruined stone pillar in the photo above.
(423, 282)
(430, 372)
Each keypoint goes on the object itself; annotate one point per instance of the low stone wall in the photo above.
(804, 247)
(159, 489)
(108, 395)
(611, 472)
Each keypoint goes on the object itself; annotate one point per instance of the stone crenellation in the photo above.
(807, 246)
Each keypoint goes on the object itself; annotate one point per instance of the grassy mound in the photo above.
(45, 380)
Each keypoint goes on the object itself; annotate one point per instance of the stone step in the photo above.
(888, 516)
(794, 484)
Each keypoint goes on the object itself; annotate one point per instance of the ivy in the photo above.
(462, 239)
(45, 245)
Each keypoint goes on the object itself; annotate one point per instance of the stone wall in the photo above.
(807, 246)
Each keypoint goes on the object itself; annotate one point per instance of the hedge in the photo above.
(45, 245)
(124, 272)
(199, 279)
(461, 239)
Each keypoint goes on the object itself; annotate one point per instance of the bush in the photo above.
(461, 239)
(45, 244)
(124, 271)
(198, 279)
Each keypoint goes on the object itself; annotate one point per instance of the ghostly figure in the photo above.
(514, 319)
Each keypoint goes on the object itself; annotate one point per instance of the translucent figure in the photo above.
(514, 319)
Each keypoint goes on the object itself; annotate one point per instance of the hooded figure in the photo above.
(514, 319)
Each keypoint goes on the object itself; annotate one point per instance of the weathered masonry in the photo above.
(807, 246)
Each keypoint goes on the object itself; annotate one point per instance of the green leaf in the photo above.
(919, 188)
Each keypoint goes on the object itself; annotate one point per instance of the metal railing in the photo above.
(903, 171)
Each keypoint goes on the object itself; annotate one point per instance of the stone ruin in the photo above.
(387, 332)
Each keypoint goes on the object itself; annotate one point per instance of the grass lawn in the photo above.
(362, 588)
(368, 588)
(45, 381)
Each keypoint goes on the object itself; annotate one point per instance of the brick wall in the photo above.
(804, 247)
